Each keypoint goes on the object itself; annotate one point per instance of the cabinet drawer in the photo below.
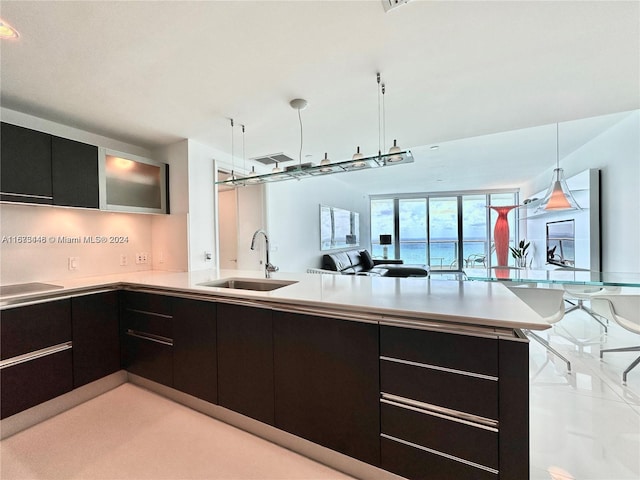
(31, 328)
(149, 359)
(148, 322)
(444, 388)
(419, 464)
(147, 313)
(441, 349)
(148, 302)
(441, 432)
(35, 381)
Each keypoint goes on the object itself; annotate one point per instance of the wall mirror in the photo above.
(339, 228)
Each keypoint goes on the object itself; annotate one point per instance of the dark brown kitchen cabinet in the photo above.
(147, 336)
(195, 362)
(40, 168)
(96, 340)
(326, 382)
(25, 169)
(74, 168)
(453, 405)
(245, 361)
(35, 349)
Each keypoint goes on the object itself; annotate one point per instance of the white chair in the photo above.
(625, 311)
(577, 294)
(549, 304)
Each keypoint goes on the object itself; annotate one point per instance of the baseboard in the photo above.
(34, 415)
(308, 449)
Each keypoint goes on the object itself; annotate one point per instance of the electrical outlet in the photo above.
(123, 261)
(142, 257)
(74, 263)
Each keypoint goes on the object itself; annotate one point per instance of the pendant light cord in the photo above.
(232, 174)
(379, 119)
(384, 122)
(301, 139)
(557, 146)
(244, 158)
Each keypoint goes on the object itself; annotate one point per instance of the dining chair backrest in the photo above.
(623, 309)
(546, 302)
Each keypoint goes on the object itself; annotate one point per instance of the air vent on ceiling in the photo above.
(271, 159)
(391, 4)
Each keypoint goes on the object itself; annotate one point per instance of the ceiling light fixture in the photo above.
(325, 162)
(558, 196)
(357, 162)
(7, 31)
(391, 4)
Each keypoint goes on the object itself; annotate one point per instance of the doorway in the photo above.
(227, 225)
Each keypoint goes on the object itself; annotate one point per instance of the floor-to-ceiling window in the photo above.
(447, 231)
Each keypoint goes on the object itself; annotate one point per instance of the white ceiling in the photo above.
(152, 73)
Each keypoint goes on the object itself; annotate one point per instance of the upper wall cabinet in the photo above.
(25, 169)
(74, 168)
(42, 168)
(129, 183)
(37, 167)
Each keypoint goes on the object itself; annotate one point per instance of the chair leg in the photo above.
(629, 368)
(550, 348)
(625, 349)
(580, 306)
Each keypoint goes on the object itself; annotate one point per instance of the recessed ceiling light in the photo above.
(7, 31)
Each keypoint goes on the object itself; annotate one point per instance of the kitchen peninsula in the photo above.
(422, 378)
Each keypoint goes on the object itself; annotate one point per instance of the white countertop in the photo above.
(472, 303)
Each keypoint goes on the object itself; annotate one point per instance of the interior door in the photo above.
(228, 228)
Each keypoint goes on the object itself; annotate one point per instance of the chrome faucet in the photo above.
(268, 268)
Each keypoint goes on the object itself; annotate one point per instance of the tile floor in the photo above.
(584, 426)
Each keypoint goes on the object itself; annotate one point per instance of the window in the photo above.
(445, 231)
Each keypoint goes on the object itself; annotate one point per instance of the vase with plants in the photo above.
(520, 253)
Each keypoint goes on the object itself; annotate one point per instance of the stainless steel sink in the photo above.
(259, 285)
(23, 288)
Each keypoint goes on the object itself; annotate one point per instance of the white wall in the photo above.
(293, 218)
(616, 152)
(33, 262)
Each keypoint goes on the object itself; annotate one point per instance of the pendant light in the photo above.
(395, 151)
(558, 196)
(276, 169)
(324, 163)
(357, 157)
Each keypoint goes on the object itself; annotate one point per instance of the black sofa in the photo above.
(359, 262)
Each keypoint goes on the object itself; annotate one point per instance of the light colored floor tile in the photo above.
(130, 433)
(586, 424)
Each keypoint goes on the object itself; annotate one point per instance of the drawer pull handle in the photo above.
(441, 454)
(154, 314)
(151, 337)
(441, 412)
(27, 195)
(442, 369)
(27, 357)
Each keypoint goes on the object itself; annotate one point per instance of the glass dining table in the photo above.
(559, 276)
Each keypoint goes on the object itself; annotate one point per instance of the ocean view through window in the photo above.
(444, 231)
